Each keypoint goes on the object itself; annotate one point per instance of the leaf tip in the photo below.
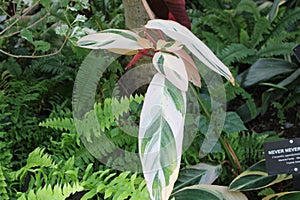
(231, 80)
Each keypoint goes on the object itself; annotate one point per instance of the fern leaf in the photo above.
(48, 193)
(37, 158)
(3, 185)
(253, 147)
(117, 187)
(261, 27)
(113, 109)
(249, 6)
(276, 49)
(62, 124)
(289, 19)
(235, 52)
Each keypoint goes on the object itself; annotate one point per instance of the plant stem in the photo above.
(33, 56)
(226, 146)
(200, 102)
(18, 19)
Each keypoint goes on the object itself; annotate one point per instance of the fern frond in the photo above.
(37, 158)
(116, 186)
(288, 20)
(52, 65)
(249, 6)
(59, 192)
(62, 124)
(112, 109)
(276, 49)
(261, 27)
(252, 150)
(235, 52)
(3, 185)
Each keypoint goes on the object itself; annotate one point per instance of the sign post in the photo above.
(283, 157)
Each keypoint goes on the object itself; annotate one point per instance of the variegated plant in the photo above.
(162, 118)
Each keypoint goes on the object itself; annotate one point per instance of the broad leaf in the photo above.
(172, 67)
(274, 10)
(196, 46)
(190, 66)
(208, 192)
(264, 69)
(115, 40)
(233, 123)
(283, 196)
(256, 177)
(161, 136)
(198, 174)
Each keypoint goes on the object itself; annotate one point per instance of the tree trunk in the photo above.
(135, 14)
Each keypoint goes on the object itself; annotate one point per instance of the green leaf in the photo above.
(288, 80)
(27, 35)
(274, 10)
(249, 6)
(41, 45)
(264, 69)
(274, 86)
(276, 49)
(283, 196)
(235, 52)
(161, 136)
(256, 177)
(46, 3)
(197, 174)
(37, 158)
(261, 27)
(233, 123)
(208, 192)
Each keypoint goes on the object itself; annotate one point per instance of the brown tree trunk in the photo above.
(135, 14)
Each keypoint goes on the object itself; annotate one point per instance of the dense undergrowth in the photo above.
(41, 155)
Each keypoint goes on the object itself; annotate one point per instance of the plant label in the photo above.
(297, 52)
(283, 157)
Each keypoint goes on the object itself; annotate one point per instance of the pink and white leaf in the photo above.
(173, 68)
(180, 33)
(161, 136)
(190, 66)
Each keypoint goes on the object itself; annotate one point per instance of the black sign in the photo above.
(283, 157)
(297, 52)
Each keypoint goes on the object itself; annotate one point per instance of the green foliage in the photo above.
(3, 186)
(240, 32)
(47, 192)
(37, 158)
(111, 185)
(47, 179)
(40, 151)
(252, 144)
(256, 177)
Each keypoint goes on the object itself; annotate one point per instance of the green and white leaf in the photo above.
(172, 67)
(201, 173)
(161, 136)
(196, 46)
(256, 177)
(116, 40)
(205, 192)
(283, 196)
